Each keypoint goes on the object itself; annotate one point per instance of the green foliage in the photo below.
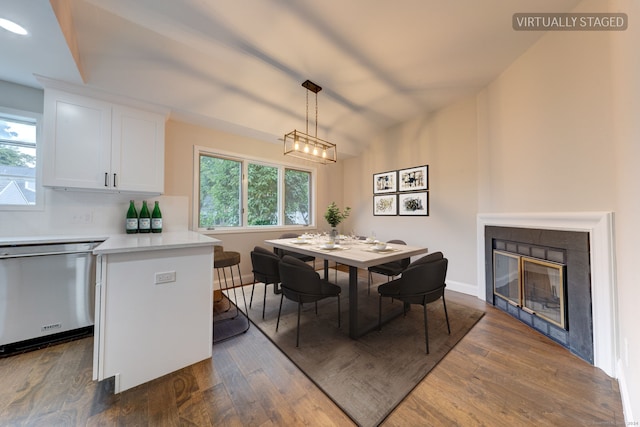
(262, 195)
(220, 181)
(10, 156)
(296, 196)
(334, 216)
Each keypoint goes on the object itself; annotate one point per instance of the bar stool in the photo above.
(221, 261)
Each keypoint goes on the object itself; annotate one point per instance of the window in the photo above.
(19, 177)
(272, 195)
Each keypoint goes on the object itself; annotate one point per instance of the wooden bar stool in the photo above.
(221, 261)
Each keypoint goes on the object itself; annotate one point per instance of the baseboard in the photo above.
(463, 288)
(624, 394)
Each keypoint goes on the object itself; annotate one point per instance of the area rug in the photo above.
(368, 377)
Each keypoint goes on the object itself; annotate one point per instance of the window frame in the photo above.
(28, 116)
(245, 161)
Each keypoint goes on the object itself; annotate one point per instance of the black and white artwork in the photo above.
(385, 182)
(414, 204)
(413, 179)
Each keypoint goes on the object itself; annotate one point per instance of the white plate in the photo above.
(329, 248)
(387, 249)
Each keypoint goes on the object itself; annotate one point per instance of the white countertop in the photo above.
(121, 243)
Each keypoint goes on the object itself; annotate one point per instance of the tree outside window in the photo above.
(273, 194)
(17, 162)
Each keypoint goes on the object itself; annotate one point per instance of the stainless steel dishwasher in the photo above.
(46, 294)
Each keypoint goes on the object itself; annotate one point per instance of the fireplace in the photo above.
(555, 273)
(534, 285)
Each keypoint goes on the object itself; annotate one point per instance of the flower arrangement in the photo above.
(334, 216)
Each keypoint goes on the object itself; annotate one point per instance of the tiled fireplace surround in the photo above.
(600, 228)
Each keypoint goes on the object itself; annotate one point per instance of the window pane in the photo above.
(297, 185)
(17, 162)
(220, 184)
(262, 192)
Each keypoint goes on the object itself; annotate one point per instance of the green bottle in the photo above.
(144, 221)
(156, 219)
(132, 219)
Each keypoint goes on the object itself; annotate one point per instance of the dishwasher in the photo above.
(46, 294)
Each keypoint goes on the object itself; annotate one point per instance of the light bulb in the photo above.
(315, 151)
(324, 154)
(306, 148)
(296, 145)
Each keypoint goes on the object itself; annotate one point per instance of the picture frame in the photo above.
(414, 204)
(385, 205)
(385, 182)
(413, 179)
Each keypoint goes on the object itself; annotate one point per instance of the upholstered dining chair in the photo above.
(389, 269)
(265, 270)
(422, 282)
(282, 252)
(302, 284)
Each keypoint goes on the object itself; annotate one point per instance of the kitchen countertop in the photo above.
(122, 243)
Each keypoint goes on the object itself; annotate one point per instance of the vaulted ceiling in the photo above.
(239, 65)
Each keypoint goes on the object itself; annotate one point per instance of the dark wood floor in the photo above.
(501, 373)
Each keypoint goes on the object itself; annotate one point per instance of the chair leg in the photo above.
(264, 299)
(298, 328)
(369, 285)
(426, 332)
(279, 311)
(338, 311)
(316, 308)
(380, 313)
(444, 304)
(253, 288)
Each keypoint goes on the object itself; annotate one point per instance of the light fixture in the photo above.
(314, 148)
(13, 27)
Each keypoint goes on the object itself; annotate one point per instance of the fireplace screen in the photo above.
(506, 276)
(543, 289)
(534, 285)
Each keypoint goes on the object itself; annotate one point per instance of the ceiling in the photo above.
(239, 65)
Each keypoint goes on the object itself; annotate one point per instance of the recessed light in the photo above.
(13, 27)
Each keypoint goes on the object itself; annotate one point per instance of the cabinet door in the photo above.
(77, 144)
(137, 153)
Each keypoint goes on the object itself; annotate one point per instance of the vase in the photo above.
(333, 234)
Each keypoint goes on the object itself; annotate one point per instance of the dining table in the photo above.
(356, 254)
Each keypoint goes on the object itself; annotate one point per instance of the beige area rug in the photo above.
(370, 376)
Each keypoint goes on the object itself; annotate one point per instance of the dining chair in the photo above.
(266, 270)
(302, 284)
(422, 282)
(282, 252)
(389, 269)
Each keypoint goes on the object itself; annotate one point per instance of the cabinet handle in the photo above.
(106, 179)
(114, 180)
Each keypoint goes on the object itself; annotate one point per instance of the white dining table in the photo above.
(355, 254)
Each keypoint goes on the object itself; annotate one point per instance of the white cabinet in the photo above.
(146, 327)
(96, 145)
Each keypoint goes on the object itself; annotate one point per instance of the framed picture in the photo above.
(385, 205)
(414, 204)
(385, 182)
(413, 179)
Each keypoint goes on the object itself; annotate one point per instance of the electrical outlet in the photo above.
(82, 218)
(165, 277)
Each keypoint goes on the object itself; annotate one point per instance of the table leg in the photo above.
(326, 269)
(353, 302)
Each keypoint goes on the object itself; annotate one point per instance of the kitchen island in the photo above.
(154, 311)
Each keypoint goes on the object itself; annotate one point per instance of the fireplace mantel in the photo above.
(599, 225)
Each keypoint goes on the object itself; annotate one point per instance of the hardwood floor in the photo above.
(501, 373)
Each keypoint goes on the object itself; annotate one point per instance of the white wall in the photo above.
(446, 141)
(625, 64)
